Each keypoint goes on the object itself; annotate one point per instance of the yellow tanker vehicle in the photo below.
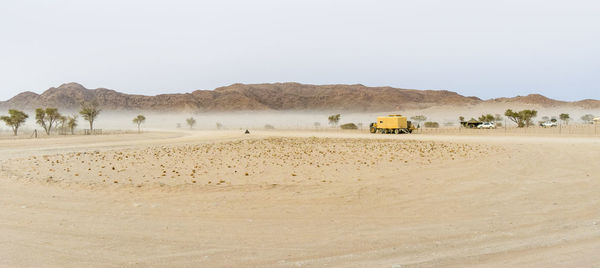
(392, 124)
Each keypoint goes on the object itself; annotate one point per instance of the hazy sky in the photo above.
(483, 48)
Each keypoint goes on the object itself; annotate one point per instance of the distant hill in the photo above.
(270, 97)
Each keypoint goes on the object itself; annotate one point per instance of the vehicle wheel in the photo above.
(396, 131)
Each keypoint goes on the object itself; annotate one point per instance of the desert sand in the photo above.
(300, 199)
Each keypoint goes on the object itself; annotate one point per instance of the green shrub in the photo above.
(432, 124)
(349, 126)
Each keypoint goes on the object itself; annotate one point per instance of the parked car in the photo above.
(549, 124)
(487, 125)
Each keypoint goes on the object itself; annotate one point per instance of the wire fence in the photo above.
(560, 130)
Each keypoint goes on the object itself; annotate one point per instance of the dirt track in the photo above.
(525, 201)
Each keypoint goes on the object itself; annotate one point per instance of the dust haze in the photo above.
(445, 116)
(301, 196)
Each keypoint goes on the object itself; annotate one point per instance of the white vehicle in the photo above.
(487, 125)
(549, 124)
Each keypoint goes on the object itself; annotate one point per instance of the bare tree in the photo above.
(139, 120)
(15, 119)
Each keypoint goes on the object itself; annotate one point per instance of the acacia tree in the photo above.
(139, 120)
(334, 119)
(191, 122)
(15, 119)
(461, 118)
(498, 118)
(565, 118)
(63, 124)
(522, 118)
(47, 117)
(72, 123)
(487, 118)
(587, 118)
(419, 119)
(89, 112)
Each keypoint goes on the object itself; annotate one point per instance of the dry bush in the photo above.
(349, 126)
(432, 124)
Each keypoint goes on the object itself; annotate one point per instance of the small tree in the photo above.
(487, 118)
(565, 118)
(419, 119)
(317, 125)
(47, 117)
(528, 116)
(498, 118)
(522, 118)
(219, 125)
(588, 118)
(461, 119)
(63, 124)
(139, 120)
(191, 122)
(72, 123)
(334, 119)
(89, 112)
(15, 119)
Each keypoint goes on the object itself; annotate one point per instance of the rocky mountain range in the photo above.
(271, 97)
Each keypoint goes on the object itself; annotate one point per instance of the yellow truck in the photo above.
(392, 124)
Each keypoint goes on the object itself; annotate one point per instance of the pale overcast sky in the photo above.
(482, 48)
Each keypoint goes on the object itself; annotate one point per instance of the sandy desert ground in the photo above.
(300, 199)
